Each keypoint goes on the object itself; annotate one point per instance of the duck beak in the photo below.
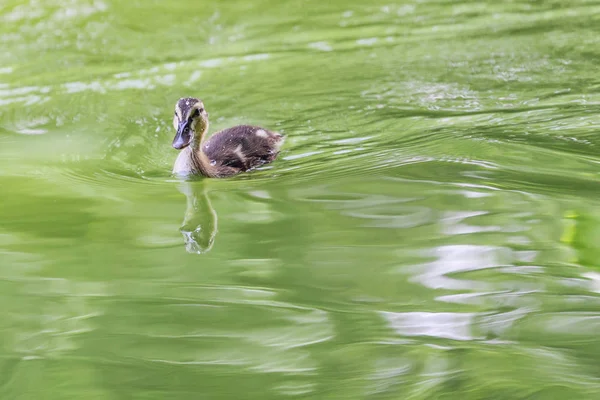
(183, 137)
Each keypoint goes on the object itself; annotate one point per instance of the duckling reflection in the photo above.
(199, 226)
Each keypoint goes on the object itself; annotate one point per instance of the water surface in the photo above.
(429, 232)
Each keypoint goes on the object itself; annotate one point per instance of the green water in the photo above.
(430, 230)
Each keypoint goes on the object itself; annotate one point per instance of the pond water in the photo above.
(430, 230)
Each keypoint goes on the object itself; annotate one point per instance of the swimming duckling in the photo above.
(227, 152)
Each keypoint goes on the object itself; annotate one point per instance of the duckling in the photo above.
(227, 152)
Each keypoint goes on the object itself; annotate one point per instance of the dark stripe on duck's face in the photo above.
(184, 135)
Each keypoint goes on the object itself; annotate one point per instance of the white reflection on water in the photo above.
(455, 326)
(460, 258)
(575, 324)
(56, 327)
(36, 9)
(594, 278)
(323, 46)
(452, 223)
(367, 41)
(393, 216)
(388, 373)
(164, 75)
(205, 330)
(295, 388)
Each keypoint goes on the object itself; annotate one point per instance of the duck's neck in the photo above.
(199, 159)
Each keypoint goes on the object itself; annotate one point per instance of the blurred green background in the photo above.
(430, 230)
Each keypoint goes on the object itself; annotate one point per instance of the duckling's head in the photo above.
(190, 122)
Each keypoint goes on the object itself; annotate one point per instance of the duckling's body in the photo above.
(227, 152)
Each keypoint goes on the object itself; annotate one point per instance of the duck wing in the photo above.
(243, 147)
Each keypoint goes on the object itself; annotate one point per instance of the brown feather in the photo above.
(240, 148)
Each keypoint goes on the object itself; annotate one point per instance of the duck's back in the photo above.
(242, 147)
